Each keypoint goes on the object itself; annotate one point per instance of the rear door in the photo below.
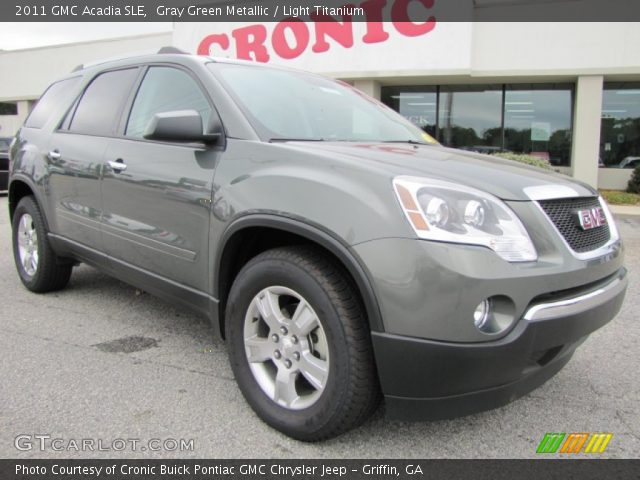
(157, 195)
(76, 152)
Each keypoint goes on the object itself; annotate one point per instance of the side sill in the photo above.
(173, 292)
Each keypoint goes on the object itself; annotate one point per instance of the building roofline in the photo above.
(85, 42)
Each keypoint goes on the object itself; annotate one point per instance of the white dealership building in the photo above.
(566, 92)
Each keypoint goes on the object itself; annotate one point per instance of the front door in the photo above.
(157, 195)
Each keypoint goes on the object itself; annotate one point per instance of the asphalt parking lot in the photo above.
(98, 360)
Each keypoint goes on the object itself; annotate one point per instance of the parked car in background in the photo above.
(629, 162)
(5, 142)
(341, 252)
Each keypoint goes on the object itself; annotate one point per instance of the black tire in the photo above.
(351, 392)
(51, 273)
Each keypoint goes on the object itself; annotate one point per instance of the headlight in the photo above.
(448, 212)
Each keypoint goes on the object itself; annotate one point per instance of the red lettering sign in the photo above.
(250, 43)
(326, 26)
(300, 33)
(205, 45)
(400, 17)
(291, 37)
(375, 27)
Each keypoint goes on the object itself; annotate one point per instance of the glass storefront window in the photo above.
(620, 125)
(470, 117)
(416, 104)
(537, 121)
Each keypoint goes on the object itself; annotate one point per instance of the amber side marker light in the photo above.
(411, 208)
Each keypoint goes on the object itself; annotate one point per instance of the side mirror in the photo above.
(181, 126)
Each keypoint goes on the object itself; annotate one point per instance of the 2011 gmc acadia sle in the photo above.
(342, 253)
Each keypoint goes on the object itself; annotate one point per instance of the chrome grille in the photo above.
(563, 213)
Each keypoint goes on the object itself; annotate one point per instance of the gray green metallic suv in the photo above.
(341, 252)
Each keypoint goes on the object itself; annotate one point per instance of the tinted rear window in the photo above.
(99, 108)
(52, 99)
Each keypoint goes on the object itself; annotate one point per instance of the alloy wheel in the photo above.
(286, 347)
(28, 245)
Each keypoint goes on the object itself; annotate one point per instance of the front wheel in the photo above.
(38, 266)
(299, 344)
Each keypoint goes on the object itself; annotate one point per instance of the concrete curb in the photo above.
(625, 209)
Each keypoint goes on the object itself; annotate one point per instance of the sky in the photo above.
(14, 35)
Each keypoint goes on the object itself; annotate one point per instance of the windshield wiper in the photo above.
(278, 139)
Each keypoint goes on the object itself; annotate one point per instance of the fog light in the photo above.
(482, 314)
(494, 315)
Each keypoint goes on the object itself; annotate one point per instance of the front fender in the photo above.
(314, 233)
(354, 201)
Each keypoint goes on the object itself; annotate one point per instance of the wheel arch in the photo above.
(238, 245)
(19, 188)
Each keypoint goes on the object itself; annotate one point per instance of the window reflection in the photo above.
(416, 104)
(620, 125)
(471, 117)
(537, 121)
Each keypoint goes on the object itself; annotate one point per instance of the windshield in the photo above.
(286, 105)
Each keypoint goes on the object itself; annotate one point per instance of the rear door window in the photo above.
(53, 99)
(165, 89)
(98, 110)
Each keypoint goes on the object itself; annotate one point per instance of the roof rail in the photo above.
(172, 50)
(163, 50)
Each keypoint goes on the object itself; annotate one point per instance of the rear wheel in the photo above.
(38, 266)
(299, 344)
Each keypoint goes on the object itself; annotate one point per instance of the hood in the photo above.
(505, 179)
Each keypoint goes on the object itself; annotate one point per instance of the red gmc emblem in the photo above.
(592, 218)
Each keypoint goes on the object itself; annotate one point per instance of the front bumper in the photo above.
(426, 379)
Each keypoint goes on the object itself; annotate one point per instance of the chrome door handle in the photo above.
(54, 155)
(117, 166)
